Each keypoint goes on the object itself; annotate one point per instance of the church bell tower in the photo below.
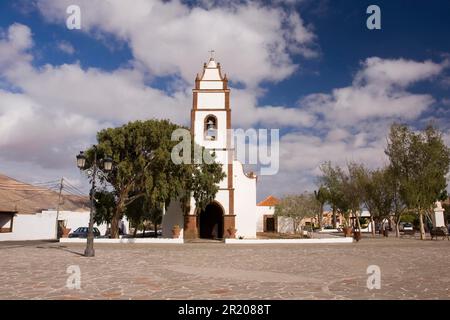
(210, 124)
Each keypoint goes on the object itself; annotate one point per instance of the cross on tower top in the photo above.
(212, 54)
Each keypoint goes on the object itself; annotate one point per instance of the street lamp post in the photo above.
(93, 171)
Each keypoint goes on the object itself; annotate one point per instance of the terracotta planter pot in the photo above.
(347, 231)
(176, 232)
(231, 233)
(357, 235)
(65, 232)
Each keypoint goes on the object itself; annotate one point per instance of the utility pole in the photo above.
(57, 207)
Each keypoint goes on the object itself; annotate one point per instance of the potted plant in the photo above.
(347, 229)
(176, 231)
(64, 230)
(232, 232)
(357, 234)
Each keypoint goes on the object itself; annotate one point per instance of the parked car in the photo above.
(406, 226)
(82, 232)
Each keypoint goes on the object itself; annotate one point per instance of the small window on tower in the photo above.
(210, 128)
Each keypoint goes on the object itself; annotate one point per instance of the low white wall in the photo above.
(124, 240)
(287, 241)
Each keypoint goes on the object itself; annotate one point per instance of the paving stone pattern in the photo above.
(410, 269)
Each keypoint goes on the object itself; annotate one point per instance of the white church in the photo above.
(234, 206)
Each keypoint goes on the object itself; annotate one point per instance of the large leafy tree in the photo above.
(378, 193)
(141, 152)
(420, 161)
(352, 188)
(297, 208)
(332, 180)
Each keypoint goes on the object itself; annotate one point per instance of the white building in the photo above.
(29, 212)
(235, 203)
(266, 222)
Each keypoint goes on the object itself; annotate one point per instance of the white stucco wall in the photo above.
(211, 100)
(211, 72)
(42, 225)
(75, 220)
(261, 211)
(223, 198)
(244, 202)
(218, 85)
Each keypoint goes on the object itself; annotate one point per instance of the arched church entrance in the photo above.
(211, 222)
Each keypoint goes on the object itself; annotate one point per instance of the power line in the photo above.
(72, 192)
(74, 188)
(26, 198)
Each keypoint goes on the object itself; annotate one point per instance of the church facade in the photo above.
(234, 206)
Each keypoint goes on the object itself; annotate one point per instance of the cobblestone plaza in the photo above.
(410, 269)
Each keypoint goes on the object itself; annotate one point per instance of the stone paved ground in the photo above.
(410, 269)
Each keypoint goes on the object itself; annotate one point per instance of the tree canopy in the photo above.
(297, 208)
(420, 161)
(141, 153)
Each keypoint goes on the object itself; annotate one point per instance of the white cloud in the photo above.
(66, 47)
(171, 38)
(377, 92)
(13, 46)
(58, 109)
(354, 121)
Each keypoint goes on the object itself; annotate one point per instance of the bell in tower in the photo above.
(210, 128)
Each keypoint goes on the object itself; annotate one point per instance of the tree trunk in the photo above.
(115, 221)
(372, 223)
(397, 228)
(135, 231)
(156, 230)
(115, 225)
(334, 217)
(320, 216)
(358, 224)
(422, 227)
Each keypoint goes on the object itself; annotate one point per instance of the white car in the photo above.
(406, 226)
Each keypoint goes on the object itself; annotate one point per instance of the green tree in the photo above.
(353, 189)
(137, 213)
(321, 196)
(105, 204)
(297, 208)
(332, 180)
(378, 193)
(141, 152)
(420, 161)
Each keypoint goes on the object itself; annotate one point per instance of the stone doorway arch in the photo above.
(211, 221)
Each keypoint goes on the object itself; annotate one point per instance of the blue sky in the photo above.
(310, 68)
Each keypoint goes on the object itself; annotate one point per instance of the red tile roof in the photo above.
(270, 201)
